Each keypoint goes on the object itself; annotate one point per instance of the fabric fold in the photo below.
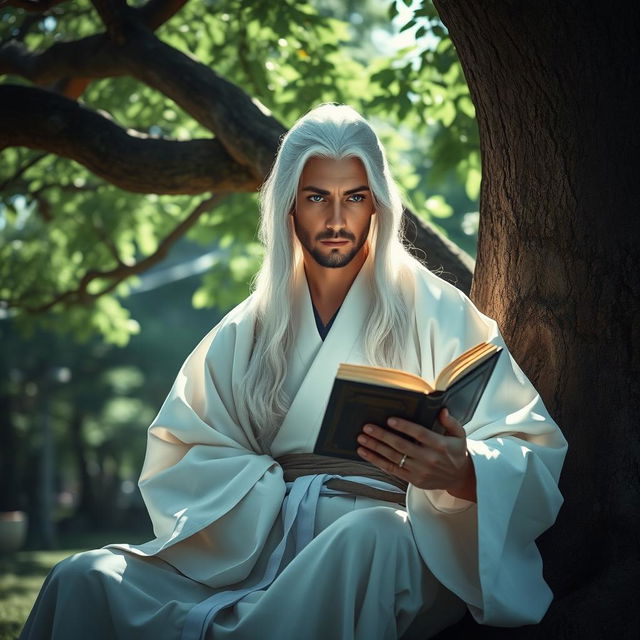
(299, 509)
(214, 496)
(485, 552)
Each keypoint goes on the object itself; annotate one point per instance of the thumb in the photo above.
(451, 426)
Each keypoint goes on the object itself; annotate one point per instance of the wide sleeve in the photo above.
(485, 552)
(212, 498)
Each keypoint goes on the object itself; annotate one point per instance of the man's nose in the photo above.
(336, 219)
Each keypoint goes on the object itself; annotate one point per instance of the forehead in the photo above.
(330, 171)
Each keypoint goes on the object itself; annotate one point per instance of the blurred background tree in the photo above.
(134, 138)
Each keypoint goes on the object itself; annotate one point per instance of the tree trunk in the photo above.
(10, 497)
(558, 268)
(87, 510)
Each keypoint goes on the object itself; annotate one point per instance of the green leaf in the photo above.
(472, 183)
(466, 106)
(438, 207)
(408, 25)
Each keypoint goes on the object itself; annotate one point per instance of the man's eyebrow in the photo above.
(324, 192)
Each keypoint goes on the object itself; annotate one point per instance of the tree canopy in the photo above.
(127, 126)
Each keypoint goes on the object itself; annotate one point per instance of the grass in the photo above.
(22, 574)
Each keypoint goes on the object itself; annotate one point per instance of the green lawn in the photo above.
(22, 574)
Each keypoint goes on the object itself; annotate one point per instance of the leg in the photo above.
(106, 594)
(360, 578)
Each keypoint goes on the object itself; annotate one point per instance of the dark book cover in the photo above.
(353, 404)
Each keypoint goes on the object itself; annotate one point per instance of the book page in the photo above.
(464, 363)
(383, 376)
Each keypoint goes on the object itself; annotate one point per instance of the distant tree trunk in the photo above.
(559, 268)
(10, 499)
(87, 510)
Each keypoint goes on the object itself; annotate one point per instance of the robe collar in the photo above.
(323, 329)
(300, 427)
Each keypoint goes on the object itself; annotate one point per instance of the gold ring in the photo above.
(401, 463)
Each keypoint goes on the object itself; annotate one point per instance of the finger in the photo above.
(451, 425)
(385, 464)
(382, 449)
(422, 434)
(396, 442)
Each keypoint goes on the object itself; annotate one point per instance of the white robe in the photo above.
(215, 502)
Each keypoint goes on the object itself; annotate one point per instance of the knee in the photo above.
(84, 566)
(376, 524)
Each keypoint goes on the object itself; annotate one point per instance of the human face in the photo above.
(333, 210)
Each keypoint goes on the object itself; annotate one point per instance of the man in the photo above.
(258, 538)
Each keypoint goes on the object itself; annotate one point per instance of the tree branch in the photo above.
(248, 131)
(114, 14)
(153, 13)
(39, 119)
(39, 6)
(81, 295)
(87, 58)
(22, 169)
(249, 134)
(438, 253)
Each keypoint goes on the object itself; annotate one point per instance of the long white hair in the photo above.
(327, 131)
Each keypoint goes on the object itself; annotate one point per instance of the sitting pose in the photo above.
(253, 537)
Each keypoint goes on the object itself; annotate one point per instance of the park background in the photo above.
(127, 229)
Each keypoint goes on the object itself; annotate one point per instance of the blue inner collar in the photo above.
(323, 330)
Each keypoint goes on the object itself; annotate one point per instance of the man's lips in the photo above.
(334, 243)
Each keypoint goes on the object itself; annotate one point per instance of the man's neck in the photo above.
(329, 287)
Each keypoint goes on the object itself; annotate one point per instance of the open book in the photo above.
(363, 394)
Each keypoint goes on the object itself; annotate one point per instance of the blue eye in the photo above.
(355, 195)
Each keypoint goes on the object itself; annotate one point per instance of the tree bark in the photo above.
(438, 253)
(137, 163)
(559, 269)
(10, 497)
(35, 6)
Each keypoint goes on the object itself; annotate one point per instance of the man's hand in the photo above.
(434, 462)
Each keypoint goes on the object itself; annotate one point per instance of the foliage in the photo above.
(423, 87)
(58, 221)
(95, 396)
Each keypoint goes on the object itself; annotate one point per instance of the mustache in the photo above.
(340, 235)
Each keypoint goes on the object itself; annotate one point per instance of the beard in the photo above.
(334, 259)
